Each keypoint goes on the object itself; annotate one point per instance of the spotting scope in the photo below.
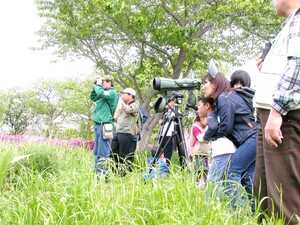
(166, 84)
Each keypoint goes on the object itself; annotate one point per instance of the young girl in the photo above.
(200, 149)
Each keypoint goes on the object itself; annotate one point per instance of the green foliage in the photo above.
(40, 161)
(78, 104)
(5, 158)
(48, 107)
(86, 134)
(49, 103)
(2, 107)
(18, 115)
(70, 133)
(72, 195)
(168, 39)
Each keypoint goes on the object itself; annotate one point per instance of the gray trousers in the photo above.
(277, 172)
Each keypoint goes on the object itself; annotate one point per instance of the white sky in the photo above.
(19, 65)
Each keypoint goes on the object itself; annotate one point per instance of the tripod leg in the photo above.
(168, 148)
(181, 145)
(161, 146)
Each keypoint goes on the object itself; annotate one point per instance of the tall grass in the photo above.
(71, 194)
(5, 158)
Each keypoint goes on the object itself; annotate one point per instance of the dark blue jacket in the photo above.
(235, 119)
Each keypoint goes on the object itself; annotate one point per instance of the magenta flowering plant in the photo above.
(90, 145)
(72, 142)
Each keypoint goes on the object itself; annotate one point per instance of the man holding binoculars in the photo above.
(105, 98)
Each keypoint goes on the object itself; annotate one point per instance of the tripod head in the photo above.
(177, 97)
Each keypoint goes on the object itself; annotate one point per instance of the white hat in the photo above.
(129, 91)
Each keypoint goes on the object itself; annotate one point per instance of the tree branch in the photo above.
(172, 14)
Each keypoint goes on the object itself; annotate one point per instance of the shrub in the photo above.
(39, 162)
(70, 133)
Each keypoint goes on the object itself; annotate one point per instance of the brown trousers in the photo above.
(277, 172)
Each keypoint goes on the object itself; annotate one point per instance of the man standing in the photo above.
(123, 146)
(277, 99)
(105, 98)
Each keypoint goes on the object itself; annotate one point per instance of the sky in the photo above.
(19, 65)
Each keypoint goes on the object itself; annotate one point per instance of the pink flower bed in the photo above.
(73, 142)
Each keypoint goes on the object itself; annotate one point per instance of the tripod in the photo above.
(177, 134)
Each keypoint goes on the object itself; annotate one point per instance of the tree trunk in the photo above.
(148, 131)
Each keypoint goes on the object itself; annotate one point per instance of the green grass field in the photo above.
(56, 185)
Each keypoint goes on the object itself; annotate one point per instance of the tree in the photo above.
(137, 40)
(78, 104)
(18, 114)
(2, 108)
(48, 101)
(49, 106)
(65, 102)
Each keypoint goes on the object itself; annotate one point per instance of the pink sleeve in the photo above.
(196, 131)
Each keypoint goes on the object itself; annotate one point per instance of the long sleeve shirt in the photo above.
(287, 93)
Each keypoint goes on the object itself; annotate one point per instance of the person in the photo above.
(277, 175)
(105, 98)
(166, 141)
(200, 150)
(123, 143)
(240, 82)
(237, 123)
(221, 148)
(240, 78)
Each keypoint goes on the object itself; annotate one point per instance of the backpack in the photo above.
(142, 118)
(143, 114)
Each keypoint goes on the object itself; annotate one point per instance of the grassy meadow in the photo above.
(48, 184)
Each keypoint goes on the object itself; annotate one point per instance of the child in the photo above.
(222, 148)
(200, 150)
